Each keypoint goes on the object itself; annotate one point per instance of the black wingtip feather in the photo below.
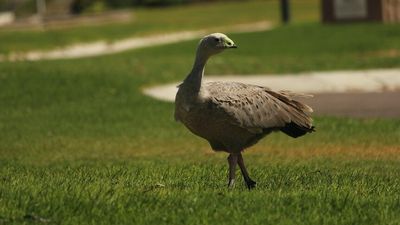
(294, 130)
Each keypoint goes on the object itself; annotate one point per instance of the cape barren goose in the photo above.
(234, 116)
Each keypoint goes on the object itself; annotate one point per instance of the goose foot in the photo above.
(250, 184)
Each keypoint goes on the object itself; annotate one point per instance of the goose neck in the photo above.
(194, 79)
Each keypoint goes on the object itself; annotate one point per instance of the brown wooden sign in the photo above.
(360, 10)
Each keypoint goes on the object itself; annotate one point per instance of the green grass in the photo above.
(148, 21)
(80, 144)
(171, 192)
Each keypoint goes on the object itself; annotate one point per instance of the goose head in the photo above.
(215, 43)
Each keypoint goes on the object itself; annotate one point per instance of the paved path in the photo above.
(103, 47)
(367, 93)
(360, 105)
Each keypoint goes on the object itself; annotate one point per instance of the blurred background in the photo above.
(48, 10)
(73, 72)
(76, 70)
(82, 142)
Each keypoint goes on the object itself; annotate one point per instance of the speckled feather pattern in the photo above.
(255, 108)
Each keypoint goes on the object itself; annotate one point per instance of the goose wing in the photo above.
(256, 108)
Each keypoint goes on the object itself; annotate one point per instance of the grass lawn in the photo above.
(148, 21)
(80, 144)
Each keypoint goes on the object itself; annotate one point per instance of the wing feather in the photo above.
(256, 108)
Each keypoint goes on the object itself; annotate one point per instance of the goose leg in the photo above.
(249, 182)
(232, 160)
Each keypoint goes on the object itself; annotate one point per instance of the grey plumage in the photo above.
(233, 116)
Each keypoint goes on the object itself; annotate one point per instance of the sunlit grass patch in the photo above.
(156, 191)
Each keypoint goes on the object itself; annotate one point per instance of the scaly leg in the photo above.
(249, 182)
(232, 160)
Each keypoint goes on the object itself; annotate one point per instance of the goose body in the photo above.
(233, 116)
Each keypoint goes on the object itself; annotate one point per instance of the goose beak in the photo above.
(228, 43)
